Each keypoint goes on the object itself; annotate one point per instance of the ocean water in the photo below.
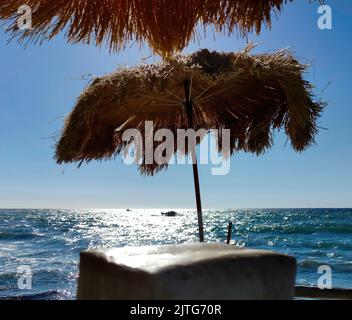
(49, 241)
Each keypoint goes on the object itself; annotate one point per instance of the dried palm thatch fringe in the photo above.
(167, 25)
(250, 94)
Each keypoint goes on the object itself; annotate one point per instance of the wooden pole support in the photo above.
(189, 110)
(229, 233)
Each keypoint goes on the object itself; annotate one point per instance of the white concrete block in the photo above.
(186, 272)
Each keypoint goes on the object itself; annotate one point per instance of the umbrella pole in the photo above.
(189, 110)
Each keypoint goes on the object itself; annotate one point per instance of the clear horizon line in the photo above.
(159, 208)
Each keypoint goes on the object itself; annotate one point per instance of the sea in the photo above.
(39, 249)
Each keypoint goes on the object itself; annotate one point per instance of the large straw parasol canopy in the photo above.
(167, 25)
(252, 95)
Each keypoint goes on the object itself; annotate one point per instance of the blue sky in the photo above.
(39, 85)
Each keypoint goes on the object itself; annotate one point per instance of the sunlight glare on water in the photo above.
(49, 241)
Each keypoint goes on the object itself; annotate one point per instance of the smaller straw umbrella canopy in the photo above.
(252, 95)
(167, 25)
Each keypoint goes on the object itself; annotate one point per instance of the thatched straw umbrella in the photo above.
(252, 95)
(167, 25)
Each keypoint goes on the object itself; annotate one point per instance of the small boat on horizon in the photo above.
(169, 214)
